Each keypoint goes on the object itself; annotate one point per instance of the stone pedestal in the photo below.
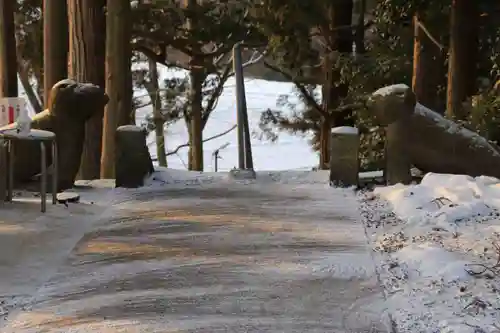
(133, 162)
(397, 159)
(70, 106)
(344, 160)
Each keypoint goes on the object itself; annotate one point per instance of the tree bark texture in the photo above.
(55, 44)
(462, 62)
(158, 119)
(428, 67)
(87, 40)
(197, 78)
(341, 41)
(8, 57)
(118, 80)
(196, 110)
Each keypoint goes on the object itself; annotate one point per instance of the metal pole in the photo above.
(244, 131)
(240, 103)
(216, 156)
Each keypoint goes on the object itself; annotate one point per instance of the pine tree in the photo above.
(118, 80)
(204, 32)
(86, 64)
(55, 43)
(8, 58)
(463, 55)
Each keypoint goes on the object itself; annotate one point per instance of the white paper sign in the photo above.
(12, 108)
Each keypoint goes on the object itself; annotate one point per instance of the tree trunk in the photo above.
(428, 67)
(55, 44)
(86, 64)
(197, 77)
(359, 37)
(196, 123)
(324, 145)
(340, 40)
(118, 80)
(8, 58)
(464, 48)
(157, 116)
(28, 88)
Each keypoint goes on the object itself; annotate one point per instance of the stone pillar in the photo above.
(344, 160)
(133, 162)
(397, 158)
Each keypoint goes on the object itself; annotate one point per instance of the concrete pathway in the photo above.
(217, 258)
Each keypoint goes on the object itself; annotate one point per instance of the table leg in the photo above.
(11, 154)
(55, 172)
(3, 171)
(43, 189)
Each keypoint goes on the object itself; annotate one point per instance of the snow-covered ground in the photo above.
(194, 252)
(290, 152)
(438, 248)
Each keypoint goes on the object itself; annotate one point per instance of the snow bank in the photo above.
(444, 200)
(166, 176)
(391, 90)
(345, 130)
(430, 241)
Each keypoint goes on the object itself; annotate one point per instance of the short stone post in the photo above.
(133, 162)
(344, 157)
(397, 160)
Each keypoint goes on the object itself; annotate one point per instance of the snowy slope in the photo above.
(288, 153)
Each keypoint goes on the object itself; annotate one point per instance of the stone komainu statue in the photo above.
(432, 142)
(70, 105)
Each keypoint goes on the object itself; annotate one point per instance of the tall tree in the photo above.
(428, 61)
(118, 80)
(29, 42)
(204, 32)
(196, 79)
(320, 35)
(55, 43)
(158, 119)
(87, 41)
(463, 55)
(8, 58)
(339, 40)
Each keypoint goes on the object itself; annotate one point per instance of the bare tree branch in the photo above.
(215, 95)
(309, 98)
(159, 58)
(176, 150)
(426, 31)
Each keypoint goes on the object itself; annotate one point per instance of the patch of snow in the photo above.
(444, 200)
(443, 264)
(345, 130)
(131, 128)
(167, 176)
(371, 174)
(431, 240)
(394, 89)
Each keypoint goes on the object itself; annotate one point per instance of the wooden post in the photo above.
(344, 160)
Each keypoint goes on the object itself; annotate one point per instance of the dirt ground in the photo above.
(244, 258)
